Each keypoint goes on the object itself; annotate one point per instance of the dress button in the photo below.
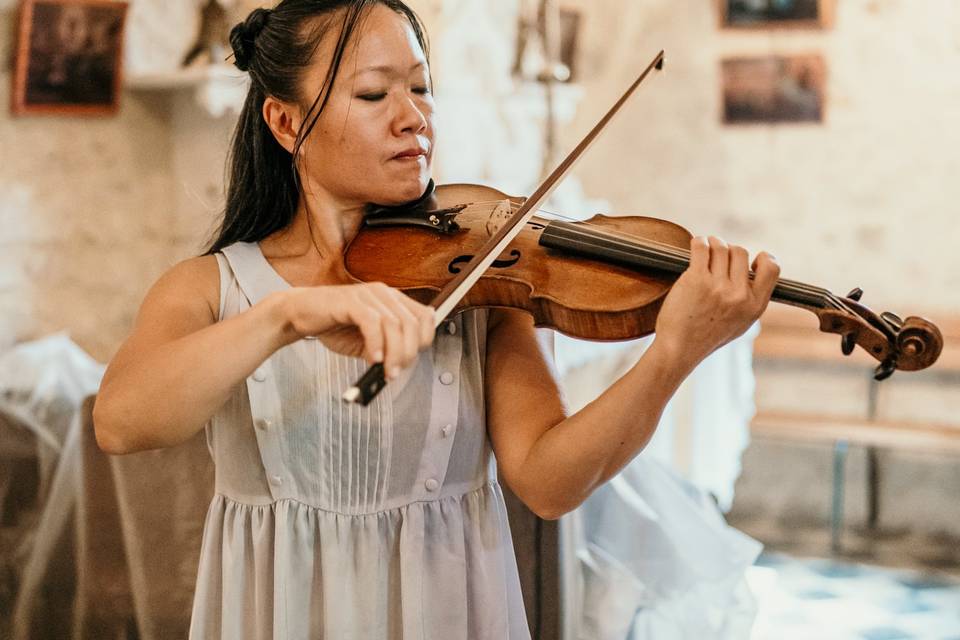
(276, 481)
(452, 327)
(263, 424)
(446, 377)
(259, 375)
(447, 428)
(431, 484)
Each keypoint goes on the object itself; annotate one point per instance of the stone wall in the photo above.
(868, 198)
(87, 222)
(93, 210)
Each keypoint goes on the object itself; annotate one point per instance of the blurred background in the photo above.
(823, 131)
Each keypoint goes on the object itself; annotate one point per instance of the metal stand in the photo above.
(873, 464)
(836, 515)
(840, 449)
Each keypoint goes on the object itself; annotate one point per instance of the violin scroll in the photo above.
(919, 343)
(906, 345)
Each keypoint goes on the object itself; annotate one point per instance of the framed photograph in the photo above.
(816, 14)
(69, 57)
(773, 89)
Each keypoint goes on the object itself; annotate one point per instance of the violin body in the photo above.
(593, 279)
(579, 296)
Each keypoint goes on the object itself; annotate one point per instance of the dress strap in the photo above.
(226, 276)
(257, 279)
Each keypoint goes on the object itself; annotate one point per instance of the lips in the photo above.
(411, 153)
(420, 147)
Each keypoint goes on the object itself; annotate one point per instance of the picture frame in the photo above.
(773, 89)
(776, 14)
(69, 57)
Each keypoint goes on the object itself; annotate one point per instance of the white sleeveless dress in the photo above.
(338, 521)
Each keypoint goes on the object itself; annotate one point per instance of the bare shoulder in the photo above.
(184, 299)
(191, 284)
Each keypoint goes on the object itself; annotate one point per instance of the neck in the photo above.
(323, 225)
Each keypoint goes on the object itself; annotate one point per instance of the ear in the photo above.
(283, 120)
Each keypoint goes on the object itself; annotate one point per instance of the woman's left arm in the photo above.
(553, 462)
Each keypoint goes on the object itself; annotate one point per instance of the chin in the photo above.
(401, 191)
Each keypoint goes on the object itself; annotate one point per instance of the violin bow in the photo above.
(374, 380)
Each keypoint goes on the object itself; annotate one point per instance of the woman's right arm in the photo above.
(180, 364)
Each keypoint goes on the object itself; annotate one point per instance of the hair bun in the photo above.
(243, 37)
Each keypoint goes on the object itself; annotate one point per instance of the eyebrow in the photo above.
(387, 69)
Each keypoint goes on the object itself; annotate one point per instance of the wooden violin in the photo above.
(463, 246)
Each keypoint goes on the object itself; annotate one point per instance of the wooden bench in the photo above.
(791, 336)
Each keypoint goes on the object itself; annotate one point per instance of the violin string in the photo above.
(659, 250)
(668, 252)
(784, 286)
(682, 257)
(677, 252)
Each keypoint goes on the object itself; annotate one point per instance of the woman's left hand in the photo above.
(715, 299)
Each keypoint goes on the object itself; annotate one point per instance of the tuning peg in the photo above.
(885, 369)
(892, 319)
(847, 343)
(855, 294)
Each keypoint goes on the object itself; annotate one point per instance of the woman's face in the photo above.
(373, 142)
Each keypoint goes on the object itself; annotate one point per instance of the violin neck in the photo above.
(636, 253)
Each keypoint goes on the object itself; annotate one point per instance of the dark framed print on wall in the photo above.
(69, 57)
(770, 89)
(766, 14)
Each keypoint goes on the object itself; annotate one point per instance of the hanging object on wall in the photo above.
(773, 89)
(213, 39)
(69, 57)
(545, 52)
(815, 14)
(546, 42)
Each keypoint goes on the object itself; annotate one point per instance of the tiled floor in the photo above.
(808, 598)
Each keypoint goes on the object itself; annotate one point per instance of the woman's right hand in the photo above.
(370, 320)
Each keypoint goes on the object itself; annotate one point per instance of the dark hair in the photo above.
(275, 46)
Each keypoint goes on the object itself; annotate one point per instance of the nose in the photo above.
(410, 117)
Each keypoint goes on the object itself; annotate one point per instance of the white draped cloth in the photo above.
(648, 555)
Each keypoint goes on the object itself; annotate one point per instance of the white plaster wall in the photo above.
(869, 198)
(85, 216)
(93, 210)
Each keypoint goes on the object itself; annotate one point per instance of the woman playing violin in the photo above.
(338, 521)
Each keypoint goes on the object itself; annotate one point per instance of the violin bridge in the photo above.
(499, 216)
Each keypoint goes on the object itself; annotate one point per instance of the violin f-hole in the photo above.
(454, 266)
